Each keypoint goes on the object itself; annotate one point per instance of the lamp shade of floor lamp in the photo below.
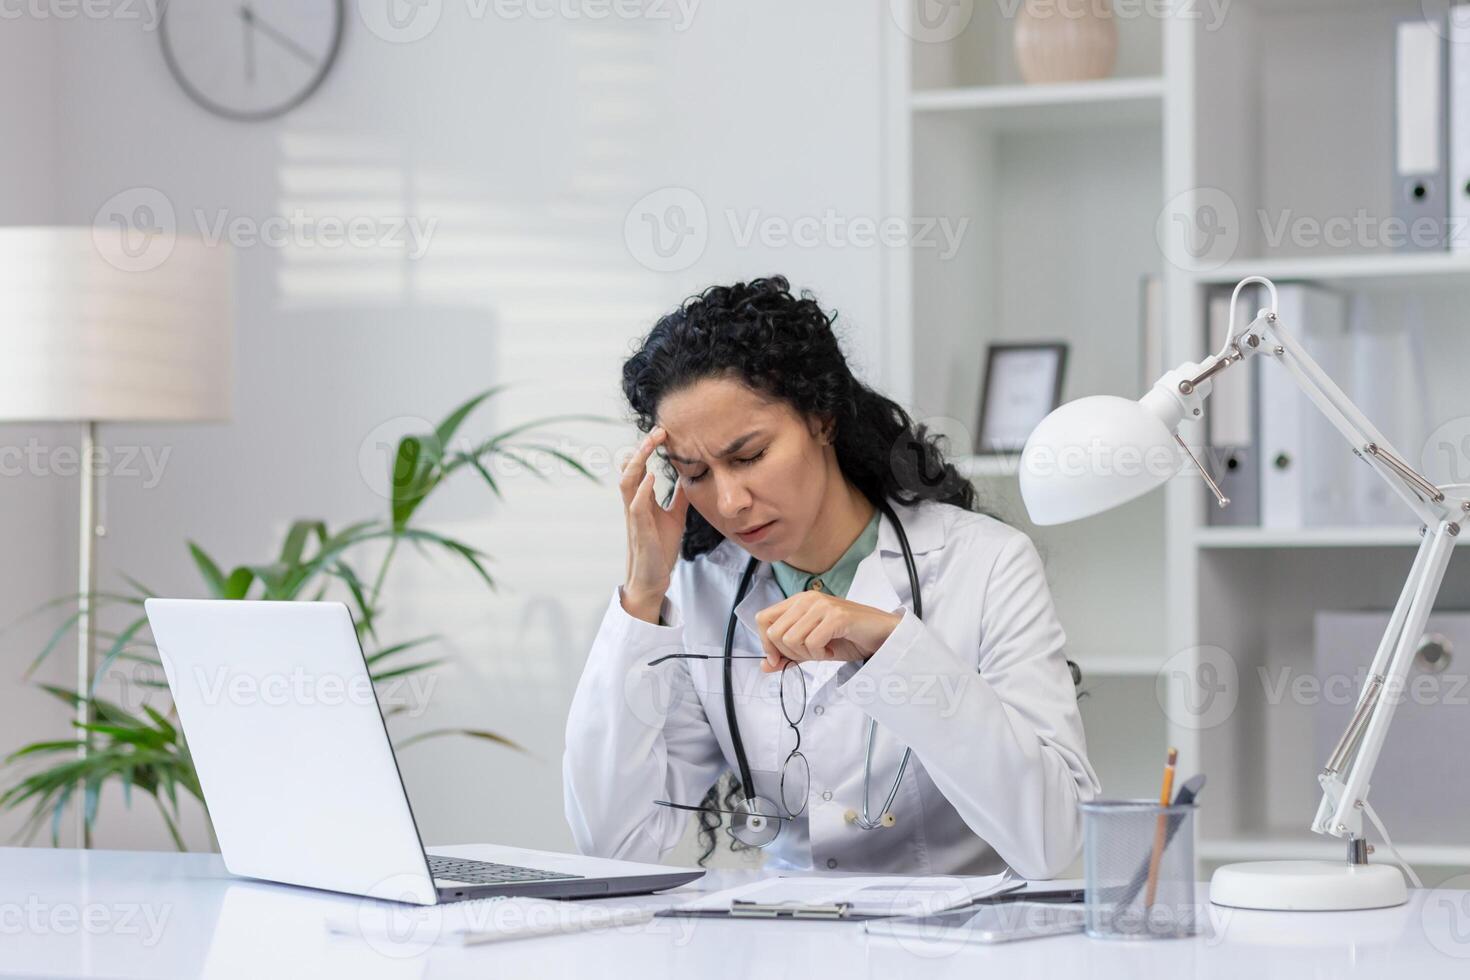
(110, 324)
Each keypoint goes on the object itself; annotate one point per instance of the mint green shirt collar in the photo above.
(837, 579)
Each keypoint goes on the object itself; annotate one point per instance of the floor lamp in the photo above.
(109, 324)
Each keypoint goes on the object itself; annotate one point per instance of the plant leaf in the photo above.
(143, 590)
(36, 747)
(387, 652)
(447, 428)
(365, 612)
(409, 669)
(56, 637)
(409, 479)
(475, 462)
(238, 584)
(565, 458)
(118, 645)
(471, 732)
(464, 551)
(213, 578)
(56, 809)
(530, 467)
(295, 543)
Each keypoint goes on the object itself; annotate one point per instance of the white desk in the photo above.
(145, 914)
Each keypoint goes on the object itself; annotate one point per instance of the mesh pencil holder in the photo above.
(1129, 845)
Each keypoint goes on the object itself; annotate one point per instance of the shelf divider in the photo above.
(1107, 102)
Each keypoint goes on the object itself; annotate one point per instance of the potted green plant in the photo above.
(144, 749)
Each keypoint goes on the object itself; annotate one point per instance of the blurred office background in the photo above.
(544, 180)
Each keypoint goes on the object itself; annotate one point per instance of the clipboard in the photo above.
(835, 912)
(844, 912)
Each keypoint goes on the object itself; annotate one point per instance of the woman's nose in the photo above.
(733, 497)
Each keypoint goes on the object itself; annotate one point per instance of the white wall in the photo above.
(38, 512)
(527, 142)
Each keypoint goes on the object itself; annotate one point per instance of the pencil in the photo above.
(1158, 852)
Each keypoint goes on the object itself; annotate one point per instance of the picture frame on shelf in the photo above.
(1023, 384)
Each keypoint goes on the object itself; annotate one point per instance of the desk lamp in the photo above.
(1096, 453)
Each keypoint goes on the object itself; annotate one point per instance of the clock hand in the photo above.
(249, 44)
(278, 36)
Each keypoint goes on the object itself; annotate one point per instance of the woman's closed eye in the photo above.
(738, 460)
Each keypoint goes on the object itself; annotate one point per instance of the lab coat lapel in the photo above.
(763, 592)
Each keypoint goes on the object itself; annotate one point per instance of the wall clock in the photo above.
(250, 59)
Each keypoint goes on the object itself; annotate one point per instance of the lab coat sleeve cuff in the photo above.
(636, 636)
(906, 667)
(887, 658)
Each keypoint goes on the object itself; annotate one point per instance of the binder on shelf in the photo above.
(1458, 32)
(1388, 374)
(1151, 330)
(1230, 422)
(1306, 479)
(1421, 152)
(1419, 787)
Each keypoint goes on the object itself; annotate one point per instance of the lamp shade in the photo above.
(1092, 455)
(88, 333)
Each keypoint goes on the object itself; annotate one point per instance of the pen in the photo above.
(1188, 793)
(1158, 851)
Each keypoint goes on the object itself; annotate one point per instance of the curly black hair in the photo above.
(785, 346)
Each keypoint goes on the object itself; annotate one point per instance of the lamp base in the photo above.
(1307, 886)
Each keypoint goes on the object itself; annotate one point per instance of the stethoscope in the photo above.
(758, 821)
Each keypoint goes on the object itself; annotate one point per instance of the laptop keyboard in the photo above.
(488, 872)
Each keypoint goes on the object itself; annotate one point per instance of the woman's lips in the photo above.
(755, 534)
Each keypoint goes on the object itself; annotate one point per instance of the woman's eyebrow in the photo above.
(734, 447)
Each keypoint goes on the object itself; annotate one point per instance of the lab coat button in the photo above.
(827, 795)
(831, 862)
(818, 710)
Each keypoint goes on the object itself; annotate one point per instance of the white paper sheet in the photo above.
(404, 929)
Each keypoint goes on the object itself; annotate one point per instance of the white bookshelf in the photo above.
(1060, 185)
(1284, 105)
(1111, 102)
(1367, 271)
(1311, 537)
(1287, 110)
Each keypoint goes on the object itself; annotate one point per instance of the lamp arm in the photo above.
(1367, 442)
(1179, 394)
(1345, 783)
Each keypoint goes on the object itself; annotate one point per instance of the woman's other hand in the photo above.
(815, 625)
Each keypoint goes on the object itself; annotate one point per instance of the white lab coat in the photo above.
(979, 689)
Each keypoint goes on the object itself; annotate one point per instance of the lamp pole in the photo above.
(88, 531)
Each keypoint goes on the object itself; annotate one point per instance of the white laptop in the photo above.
(302, 785)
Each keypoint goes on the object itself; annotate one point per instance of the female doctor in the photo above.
(818, 609)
